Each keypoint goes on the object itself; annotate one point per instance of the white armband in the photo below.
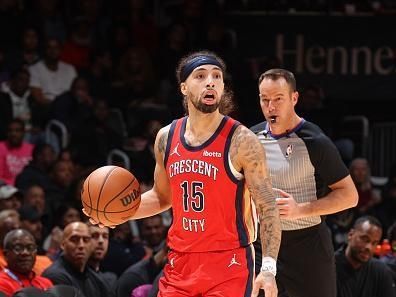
(268, 265)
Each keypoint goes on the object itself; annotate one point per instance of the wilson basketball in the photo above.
(110, 195)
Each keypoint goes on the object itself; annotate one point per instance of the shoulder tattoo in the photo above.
(162, 140)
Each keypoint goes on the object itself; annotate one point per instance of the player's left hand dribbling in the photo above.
(267, 282)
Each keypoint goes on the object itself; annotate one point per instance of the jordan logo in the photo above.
(175, 150)
(234, 262)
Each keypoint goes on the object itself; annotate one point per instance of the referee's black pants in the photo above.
(306, 265)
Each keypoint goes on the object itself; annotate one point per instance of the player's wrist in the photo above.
(268, 265)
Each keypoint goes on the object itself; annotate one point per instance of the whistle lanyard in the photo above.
(14, 277)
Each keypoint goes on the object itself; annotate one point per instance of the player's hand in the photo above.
(267, 282)
(288, 207)
(94, 222)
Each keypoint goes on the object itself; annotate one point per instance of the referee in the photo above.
(310, 181)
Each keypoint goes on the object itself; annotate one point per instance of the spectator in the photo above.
(386, 210)
(77, 48)
(61, 176)
(153, 234)
(34, 196)
(15, 153)
(64, 215)
(119, 41)
(30, 220)
(38, 170)
(144, 30)
(99, 73)
(123, 252)
(92, 12)
(50, 77)
(358, 273)
(20, 252)
(135, 80)
(142, 273)
(16, 101)
(71, 268)
(390, 257)
(74, 106)
(10, 197)
(28, 52)
(361, 176)
(100, 245)
(9, 220)
(49, 16)
(102, 137)
(340, 223)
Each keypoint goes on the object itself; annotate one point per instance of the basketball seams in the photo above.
(101, 190)
(116, 196)
(89, 195)
(105, 183)
(116, 211)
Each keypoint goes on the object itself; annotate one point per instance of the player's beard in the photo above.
(202, 107)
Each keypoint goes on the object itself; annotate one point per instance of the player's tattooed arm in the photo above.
(162, 140)
(248, 156)
(161, 181)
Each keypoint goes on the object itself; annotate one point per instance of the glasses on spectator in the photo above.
(19, 248)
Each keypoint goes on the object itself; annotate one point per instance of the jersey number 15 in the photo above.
(193, 196)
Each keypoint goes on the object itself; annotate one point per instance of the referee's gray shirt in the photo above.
(302, 162)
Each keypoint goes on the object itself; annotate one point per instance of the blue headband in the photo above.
(196, 62)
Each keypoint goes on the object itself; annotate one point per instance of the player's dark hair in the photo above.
(226, 102)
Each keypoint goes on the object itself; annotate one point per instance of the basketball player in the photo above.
(312, 180)
(208, 167)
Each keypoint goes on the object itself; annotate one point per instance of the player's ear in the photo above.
(183, 88)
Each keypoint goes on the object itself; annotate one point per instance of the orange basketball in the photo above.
(110, 195)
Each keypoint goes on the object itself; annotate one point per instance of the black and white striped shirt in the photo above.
(302, 162)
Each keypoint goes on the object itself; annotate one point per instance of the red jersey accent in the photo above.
(212, 210)
(12, 281)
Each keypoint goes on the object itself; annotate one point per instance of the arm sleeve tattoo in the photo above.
(250, 155)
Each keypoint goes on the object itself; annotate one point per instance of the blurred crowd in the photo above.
(104, 72)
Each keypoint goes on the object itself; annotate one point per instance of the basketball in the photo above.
(110, 195)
